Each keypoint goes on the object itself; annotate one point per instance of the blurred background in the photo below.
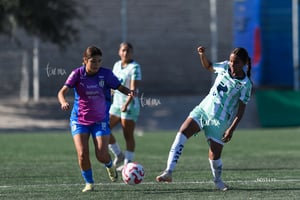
(42, 41)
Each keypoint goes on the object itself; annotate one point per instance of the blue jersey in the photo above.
(90, 102)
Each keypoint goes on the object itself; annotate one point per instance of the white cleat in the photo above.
(164, 177)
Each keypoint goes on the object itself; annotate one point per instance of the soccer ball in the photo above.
(133, 173)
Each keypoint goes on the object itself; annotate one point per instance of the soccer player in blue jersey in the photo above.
(89, 115)
(218, 114)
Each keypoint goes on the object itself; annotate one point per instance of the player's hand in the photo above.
(132, 93)
(124, 108)
(227, 136)
(201, 49)
(65, 106)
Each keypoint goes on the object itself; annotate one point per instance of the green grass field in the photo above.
(258, 164)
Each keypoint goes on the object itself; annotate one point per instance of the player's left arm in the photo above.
(229, 132)
(133, 87)
(126, 91)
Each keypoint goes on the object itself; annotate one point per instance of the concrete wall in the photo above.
(165, 35)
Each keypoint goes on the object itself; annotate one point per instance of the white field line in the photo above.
(258, 181)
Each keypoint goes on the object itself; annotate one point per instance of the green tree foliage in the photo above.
(49, 20)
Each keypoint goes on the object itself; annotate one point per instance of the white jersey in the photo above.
(223, 97)
(125, 75)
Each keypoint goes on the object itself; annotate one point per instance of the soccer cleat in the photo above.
(120, 168)
(220, 185)
(112, 173)
(88, 187)
(119, 159)
(166, 176)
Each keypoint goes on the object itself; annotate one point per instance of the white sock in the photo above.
(129, 155)
(175, 151)
(115, 148)
(216, 169)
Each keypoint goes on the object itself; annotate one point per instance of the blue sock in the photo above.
(109, 165)
(87, 175)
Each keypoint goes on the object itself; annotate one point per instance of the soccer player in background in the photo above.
(125, 109)
(89, 115)
(218, 114)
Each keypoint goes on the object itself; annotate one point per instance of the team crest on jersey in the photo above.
(101, 83)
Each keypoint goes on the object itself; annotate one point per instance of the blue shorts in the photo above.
(97, 129)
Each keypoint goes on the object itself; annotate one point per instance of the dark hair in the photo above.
(92, 51)
(243, 55)
(127, 44)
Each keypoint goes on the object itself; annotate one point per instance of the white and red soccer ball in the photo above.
(133, 173)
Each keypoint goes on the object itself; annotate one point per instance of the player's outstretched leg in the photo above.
(174, 155)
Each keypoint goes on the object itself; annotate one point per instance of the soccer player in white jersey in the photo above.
(124, 109)
(218, 114)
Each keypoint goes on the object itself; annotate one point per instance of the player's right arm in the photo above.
(204, 61)
(62, 98)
